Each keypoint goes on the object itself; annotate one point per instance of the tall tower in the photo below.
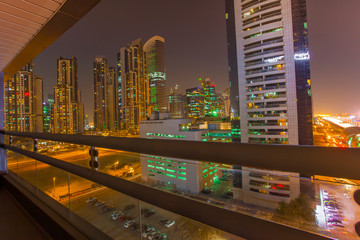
(273, 71)
(49, 114)
(38, 98)
(68, 109)
(111, 98)
(176, 103)
(270, 41)
(134, 85)
(209, 97)
(23, 101)
(195, 102)
(156, 72)
(19, 95)
(100, 76)
(119, 93)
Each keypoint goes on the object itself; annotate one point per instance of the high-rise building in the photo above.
(268, 41)
(119, 94)
(49, 114)
(209, 97)
(23, 96)
(87, 123)
(155, 68)
(38, 104)
(177, 104)
(100, 76)
(195, 102)
(68, 109)
(232, 61)
(111, 98)
(134, 85)
(273, 71)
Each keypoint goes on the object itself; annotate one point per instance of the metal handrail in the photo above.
(307, 160)
(190, 208)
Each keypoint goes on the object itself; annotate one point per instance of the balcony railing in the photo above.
(225, 215)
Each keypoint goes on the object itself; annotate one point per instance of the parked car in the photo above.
(99, 203)
(115, 215)
(207, 190)
(124, 218)
(169, 223)
(128, 223)
(91, 199)
(149, 213)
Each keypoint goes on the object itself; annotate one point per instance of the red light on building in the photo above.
(27, 93)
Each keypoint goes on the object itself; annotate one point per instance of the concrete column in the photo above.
(3, 165)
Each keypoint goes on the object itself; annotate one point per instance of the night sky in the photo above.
(194, 31)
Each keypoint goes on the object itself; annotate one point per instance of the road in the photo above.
(43, 175)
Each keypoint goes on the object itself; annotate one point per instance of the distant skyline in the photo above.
(195, 38)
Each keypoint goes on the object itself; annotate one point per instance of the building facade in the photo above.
(68, 109)
(111, 98)
(49, 114)
(100, 77)
(272, 55)
(156, 72)
(134, 86)
(23, 96)
(273, 72)
(179, 174)
(195, 101)
(177, 104)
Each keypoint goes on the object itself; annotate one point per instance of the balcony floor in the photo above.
(15, 222)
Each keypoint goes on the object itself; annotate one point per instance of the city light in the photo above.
(302, 56)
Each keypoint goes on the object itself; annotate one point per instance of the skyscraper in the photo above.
(49, 114)
(134, 85)
(68, 109)
(156, 72)
(111, 98)
(270, 42)
(273, 71)
(100, 76)
(177, 104)
(195, 102)
(119, 94)
(38, 104)
(209, 97)
(23, 96)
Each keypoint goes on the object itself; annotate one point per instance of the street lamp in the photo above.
(115, 166)
(54, 184)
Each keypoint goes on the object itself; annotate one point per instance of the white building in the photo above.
(272, 63)
(183, 175)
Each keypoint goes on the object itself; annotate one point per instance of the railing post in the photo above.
(3, 164)
(36, 172)
(94, 153)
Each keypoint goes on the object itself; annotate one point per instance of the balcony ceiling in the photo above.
(27, 27)
(20, 20)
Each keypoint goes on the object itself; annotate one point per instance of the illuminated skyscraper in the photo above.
(68, 109)
(38, 104)
(23, 96)
(100, 76)
(134, 85)
(195, 102)
(177, 104)
(119, 94)
(49, 114)
(269, 52)
(111, 98)
(273, 71)
(209, 97)
(155, 69)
